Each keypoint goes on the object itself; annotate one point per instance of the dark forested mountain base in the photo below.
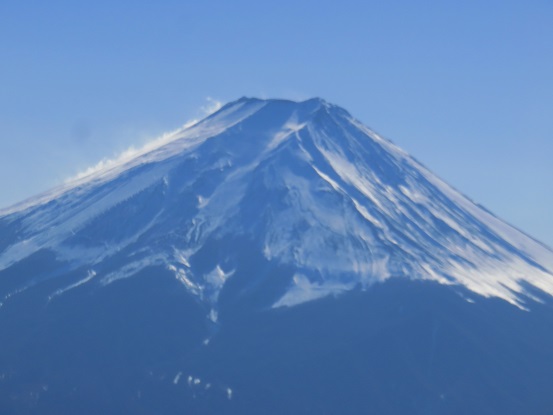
(138, 346)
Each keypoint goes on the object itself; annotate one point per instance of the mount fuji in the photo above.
(275, 257)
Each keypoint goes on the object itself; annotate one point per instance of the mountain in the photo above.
(275, 257)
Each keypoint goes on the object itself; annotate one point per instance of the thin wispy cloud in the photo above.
(212, 105)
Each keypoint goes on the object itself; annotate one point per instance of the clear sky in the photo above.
(464, 86)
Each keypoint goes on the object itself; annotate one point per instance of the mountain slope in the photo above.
(275, 252)
(309, 185)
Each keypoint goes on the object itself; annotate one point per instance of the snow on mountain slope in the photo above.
(306, 184)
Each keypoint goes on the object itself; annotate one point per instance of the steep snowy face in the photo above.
(304, 186)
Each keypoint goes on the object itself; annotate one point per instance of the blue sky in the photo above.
(465, 87)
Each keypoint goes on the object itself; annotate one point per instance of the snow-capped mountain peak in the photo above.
(323, 203)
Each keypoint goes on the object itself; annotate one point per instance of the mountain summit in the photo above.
(304, 185)
(265, 208)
